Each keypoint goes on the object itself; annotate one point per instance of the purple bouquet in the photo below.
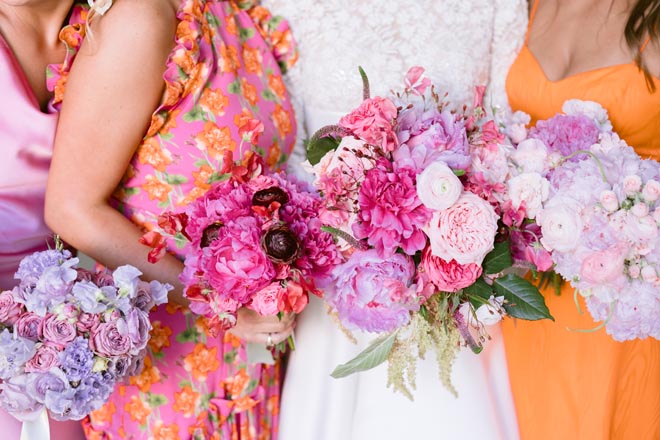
(67, 335)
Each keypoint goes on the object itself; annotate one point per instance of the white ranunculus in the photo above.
(589, 109)
(561, 224)
(438, 187)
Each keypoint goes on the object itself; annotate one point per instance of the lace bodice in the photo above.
(461, 43)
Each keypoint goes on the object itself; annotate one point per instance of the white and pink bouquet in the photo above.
(599, 218)
(413, 192)
(253, 240)
(69, 335)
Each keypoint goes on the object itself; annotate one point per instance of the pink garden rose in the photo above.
(651, 191)
(87, 322)
(265, 300)
(10, 310)
(448, 276)
(464, 232)
(373, 122)
(58, 332)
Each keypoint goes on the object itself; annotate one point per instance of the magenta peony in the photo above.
(391, 213)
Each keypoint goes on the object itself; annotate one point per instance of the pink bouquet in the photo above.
(413, 191)
(253, 240)
(598, 218)
(69, 335)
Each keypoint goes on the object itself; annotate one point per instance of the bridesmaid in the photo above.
(568, 384)
(27, 128)
(166, 88)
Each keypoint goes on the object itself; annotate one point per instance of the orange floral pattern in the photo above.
(223, 92)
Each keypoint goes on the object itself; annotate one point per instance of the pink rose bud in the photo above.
(649, 274)
(634, 271)
(632, 184)
(651, 191)
(656, 214)
(609, 200)
(640, 210)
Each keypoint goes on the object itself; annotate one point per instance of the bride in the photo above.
(461, 44)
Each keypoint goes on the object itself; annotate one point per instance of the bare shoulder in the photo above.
(652, 57)
(142, 25)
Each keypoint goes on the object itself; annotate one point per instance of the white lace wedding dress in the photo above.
(462, 44)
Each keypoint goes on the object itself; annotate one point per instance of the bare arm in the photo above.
(114, 86)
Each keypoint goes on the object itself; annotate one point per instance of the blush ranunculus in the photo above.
(373, 121)
(449, 276)
(561, 224)
(438, 187)
(531, 188)
(603, 266)
(294, 300)
(464, 232)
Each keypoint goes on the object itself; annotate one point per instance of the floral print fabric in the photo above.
(223, 94)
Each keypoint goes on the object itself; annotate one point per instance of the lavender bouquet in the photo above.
(67, 335)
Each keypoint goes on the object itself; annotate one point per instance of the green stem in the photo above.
(357, 244)
(366, 92)
(598, 327)
(593, 156)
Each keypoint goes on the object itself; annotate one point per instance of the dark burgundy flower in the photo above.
(267, 196)
(210, 233)
(281, 245)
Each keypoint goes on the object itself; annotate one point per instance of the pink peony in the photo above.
(464, 232)
(264, 302)
(372, 293)
(373, 121)
(391, 214)
(235, 263)
(448, 276)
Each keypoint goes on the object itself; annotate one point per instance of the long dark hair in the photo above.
(644, 21)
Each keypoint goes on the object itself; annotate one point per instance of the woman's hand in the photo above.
(252, 327)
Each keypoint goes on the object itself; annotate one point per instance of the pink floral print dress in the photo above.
(223, 92)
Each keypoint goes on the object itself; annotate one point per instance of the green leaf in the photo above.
(131, 191)
(318, 149)
(499, 258)
(196, 114)
(217, 177)
(523, 299)
(156, 400)
(190, 334)
(245, 33)
(180, 240)
(268, 95)
(234, 87)
(375, 354)
(175, 179)
(479, 289)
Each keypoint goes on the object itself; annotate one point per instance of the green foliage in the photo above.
(499, 258)
(523, 299)
(318, 149)
(375, 354)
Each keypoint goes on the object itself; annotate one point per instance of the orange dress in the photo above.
(568, 384)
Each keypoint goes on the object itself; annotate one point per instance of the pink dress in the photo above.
(26, 140)
(223, 80)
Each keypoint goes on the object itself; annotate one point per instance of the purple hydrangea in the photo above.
(566, 134)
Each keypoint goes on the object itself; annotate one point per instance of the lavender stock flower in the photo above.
(77, 359)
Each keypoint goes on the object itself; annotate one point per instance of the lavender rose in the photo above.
(10, 310)
(45, 358)
(57, 331)
(107, 340)
(138, 326)
(29, 326)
